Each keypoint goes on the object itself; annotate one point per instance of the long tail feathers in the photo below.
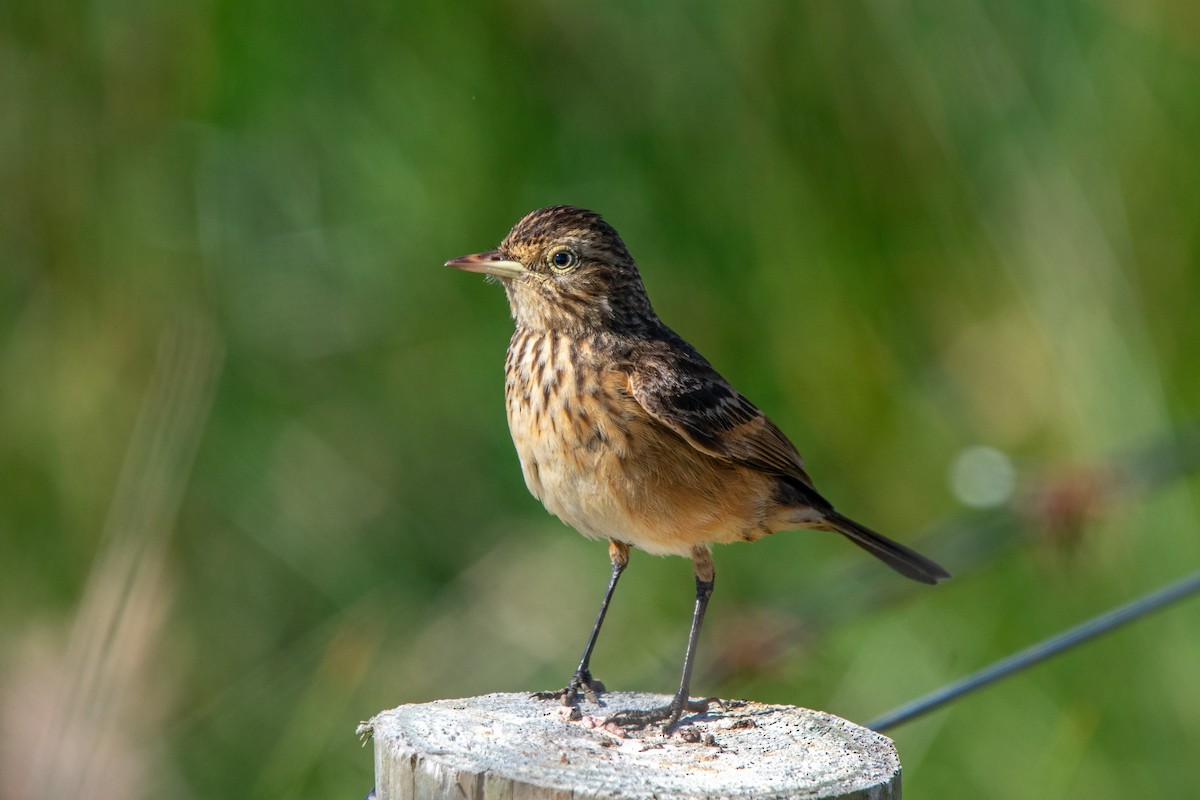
(907, 562)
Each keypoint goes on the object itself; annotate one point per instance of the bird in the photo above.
(627, 434)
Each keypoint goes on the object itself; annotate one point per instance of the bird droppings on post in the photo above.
(511, 745)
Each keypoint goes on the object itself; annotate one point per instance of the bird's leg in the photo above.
(671, 713)
(618, 553)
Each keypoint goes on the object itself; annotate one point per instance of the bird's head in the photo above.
(565, 268)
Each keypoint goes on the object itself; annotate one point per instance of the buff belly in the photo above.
(612, 482)
(601, 464)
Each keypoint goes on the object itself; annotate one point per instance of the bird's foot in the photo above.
(581, 682)
(669, 714)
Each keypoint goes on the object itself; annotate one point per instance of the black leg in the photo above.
(582, 679)
(682, 697)
(670, 714)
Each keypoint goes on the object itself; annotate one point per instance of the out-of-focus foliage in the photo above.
(255, 480)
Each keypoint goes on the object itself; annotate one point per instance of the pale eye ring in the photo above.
(563, 259)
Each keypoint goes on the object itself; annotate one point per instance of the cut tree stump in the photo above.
(512, 746)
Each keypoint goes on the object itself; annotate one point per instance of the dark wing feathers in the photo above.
(677, 387)
(684, 392)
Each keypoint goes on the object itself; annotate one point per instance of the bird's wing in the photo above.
(684, 392)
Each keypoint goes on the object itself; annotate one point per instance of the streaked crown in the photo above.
(579, 274)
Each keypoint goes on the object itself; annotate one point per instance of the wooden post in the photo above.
(510, 747)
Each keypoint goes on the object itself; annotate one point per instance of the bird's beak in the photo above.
(490, 263)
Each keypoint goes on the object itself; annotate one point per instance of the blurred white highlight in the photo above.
(982, 477)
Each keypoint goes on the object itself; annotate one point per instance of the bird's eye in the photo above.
(562, 260)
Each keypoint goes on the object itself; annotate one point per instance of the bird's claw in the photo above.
(581, 681)
(670, 715)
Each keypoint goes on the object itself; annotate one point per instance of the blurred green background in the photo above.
(256, 479)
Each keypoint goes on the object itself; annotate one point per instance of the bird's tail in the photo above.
(907, 562)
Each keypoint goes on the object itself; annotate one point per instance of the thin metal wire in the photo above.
(1041, 651)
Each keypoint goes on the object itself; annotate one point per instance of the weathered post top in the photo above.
(513, 746)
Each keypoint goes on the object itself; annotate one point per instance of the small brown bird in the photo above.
(626, 433)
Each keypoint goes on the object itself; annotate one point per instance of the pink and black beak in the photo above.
(490, 263)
